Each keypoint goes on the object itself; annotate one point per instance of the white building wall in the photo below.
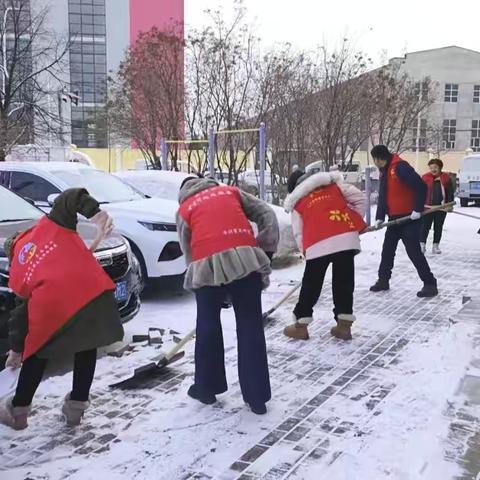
(449, 65)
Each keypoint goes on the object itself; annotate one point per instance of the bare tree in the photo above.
(223, 91)
(287, 83)
(146, 98)
(30, 68)
(340, 102)
(399, 106)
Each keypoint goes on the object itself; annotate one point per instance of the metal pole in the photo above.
(368, 194)
(163, 154)
(262, 144)
(417, 144)
(211, 153)
(60, 116)
(4, 48)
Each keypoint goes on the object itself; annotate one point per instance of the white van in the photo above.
(469, 180)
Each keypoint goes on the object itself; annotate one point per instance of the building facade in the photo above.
(100, 32)
(453, 121)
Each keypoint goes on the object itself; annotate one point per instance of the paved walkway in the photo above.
(333, 397)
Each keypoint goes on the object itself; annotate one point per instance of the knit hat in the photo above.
(293, 179)
(436, 161)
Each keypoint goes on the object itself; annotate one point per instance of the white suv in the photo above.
(147, 223)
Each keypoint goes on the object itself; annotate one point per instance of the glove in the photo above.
(14, 359)
(415, 216)
(104, 224)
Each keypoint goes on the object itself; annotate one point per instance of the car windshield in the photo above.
(470, 165)
(101, 185)
(15, 208)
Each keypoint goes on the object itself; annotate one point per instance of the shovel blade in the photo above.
(141, 374)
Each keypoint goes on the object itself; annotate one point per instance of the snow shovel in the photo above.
(280, 302)
(8, 381)
(406, 219)
(156, 367)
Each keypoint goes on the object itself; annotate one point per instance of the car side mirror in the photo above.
(51, 198)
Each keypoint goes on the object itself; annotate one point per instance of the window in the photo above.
(421, 90)
(422, 136)
(88, 66)
(451, 92)
(449, 134)
(31, 186)
(476, 94)
(475, 141)
(5, 179)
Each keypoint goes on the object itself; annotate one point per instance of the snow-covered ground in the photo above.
(401, 401)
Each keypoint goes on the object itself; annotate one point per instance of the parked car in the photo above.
(113, 254)
(155, 183)
(468, 180)
(147, 223)
(164, 184)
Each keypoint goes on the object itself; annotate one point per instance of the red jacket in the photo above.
(217, 222)
(325, 214)
(400, 197)
(55, 272)
(428, 179)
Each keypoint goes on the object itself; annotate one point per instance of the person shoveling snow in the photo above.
(68, 305)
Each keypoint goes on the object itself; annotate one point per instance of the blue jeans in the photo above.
(252, 353)
(409, 234)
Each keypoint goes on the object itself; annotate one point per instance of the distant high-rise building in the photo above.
(100, 31)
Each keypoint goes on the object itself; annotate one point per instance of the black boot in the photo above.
(259, 409)
(380, 286)
(206, 398)
(428, 290)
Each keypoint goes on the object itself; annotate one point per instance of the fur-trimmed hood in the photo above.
(194, 186)
(309, 184)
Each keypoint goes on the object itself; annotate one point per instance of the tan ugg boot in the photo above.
(73, 410)
(14, 417)
(299, 329)
(343, 328)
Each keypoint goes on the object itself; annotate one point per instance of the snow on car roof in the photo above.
(46, 166)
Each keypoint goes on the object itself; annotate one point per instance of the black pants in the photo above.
(343, 283)
(252, 352)
(437, 219)
(409, 234)
(34, 367)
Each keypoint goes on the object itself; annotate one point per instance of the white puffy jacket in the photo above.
(339, 243)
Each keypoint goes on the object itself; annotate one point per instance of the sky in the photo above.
(382, 29)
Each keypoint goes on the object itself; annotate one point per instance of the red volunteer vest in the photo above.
(217, 222)
(325, 214)
(400, 198)
(52, 268)
(428, 179)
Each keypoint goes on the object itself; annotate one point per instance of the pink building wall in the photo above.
(164, 14)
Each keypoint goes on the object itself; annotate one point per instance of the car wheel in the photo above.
(143, 266)
(464, 202)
